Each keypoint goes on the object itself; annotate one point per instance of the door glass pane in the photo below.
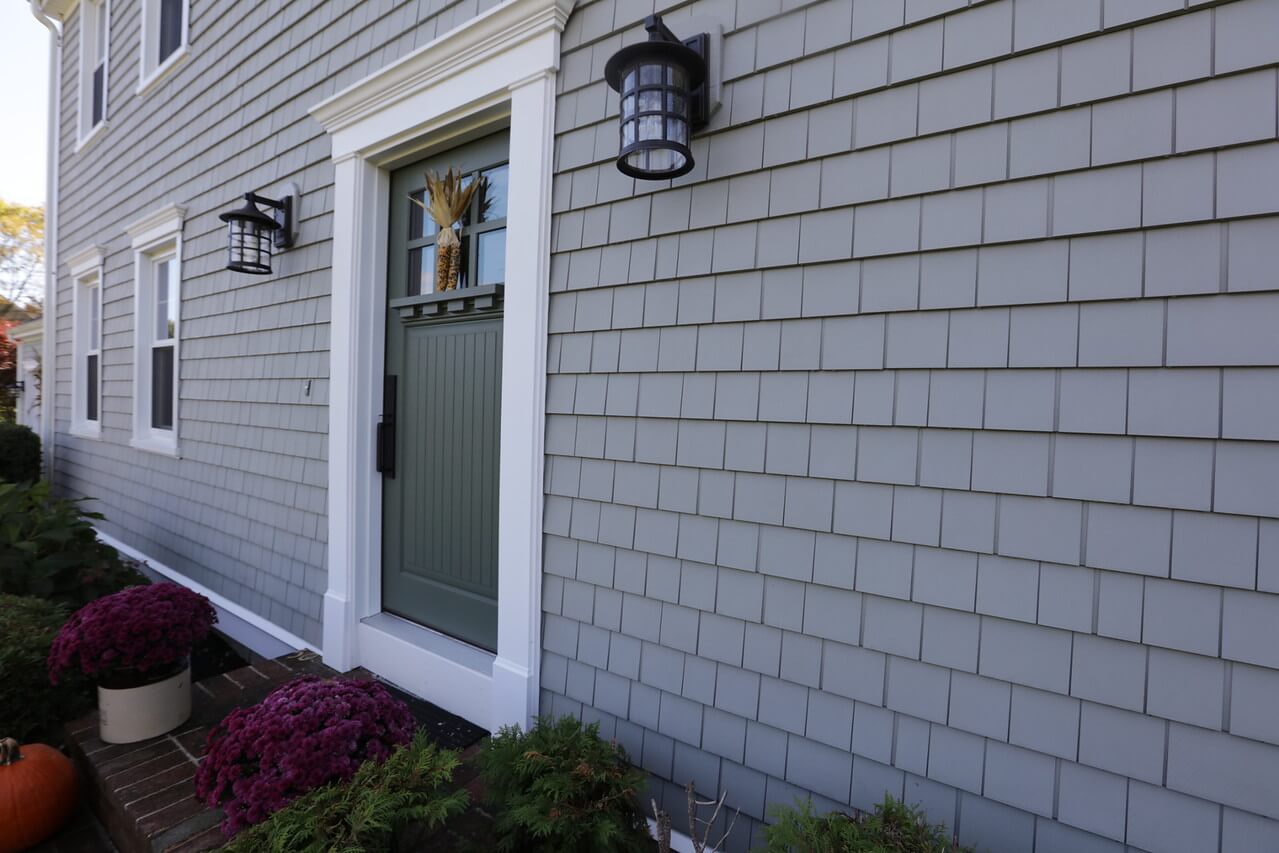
(95, 318)
(492, 257)
(421, 270)
(166, 302)
(420, 222)
(162, 387)
(493, 200)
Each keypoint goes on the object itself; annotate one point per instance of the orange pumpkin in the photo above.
(38, 791)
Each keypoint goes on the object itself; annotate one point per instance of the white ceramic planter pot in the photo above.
(131, 714)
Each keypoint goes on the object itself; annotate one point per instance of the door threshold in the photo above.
(441, 669)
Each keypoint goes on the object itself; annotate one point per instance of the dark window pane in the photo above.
(467, 180)
(493, 200)
(170, 27)
(464, 263)
(91, 388)
(99, 96)
(162, 387)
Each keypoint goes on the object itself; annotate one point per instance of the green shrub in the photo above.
(48, 549)
(894, 827)
(365, 813)
(31, 707)
(559, 788)
(19, 454)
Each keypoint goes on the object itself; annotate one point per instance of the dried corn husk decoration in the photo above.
(447, 201)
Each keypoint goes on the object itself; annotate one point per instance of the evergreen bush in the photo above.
(365, 814)
(19, 454)
(560, 789)
(30, 706)
(893, 827)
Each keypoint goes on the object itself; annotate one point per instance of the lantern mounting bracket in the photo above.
(283, 213)
(698, 107)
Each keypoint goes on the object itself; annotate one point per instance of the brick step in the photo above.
(144, 793)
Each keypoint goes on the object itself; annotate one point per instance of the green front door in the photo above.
(441, 431)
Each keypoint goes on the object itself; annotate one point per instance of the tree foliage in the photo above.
(48, 548)
(21, 258)
(30, 706)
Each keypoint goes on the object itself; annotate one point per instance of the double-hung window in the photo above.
(164, 341)
(86, 371)
(165, 32)
(157, 244)
(95, 29)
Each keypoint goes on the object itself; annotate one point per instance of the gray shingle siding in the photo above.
(933, 417)
(244, 511)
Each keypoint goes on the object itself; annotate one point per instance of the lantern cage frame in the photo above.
(669, 100)
(274, 230)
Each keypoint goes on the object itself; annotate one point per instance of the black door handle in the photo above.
(386, 429)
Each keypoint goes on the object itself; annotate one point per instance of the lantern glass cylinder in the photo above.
(249, 247)
(657, 82)
(250, 237)
(655, 120)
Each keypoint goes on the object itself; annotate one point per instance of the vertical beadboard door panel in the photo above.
(440, 510)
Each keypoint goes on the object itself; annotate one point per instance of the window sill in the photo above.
(155, 444)
(151, 81)
(87, 429)
(91, 137)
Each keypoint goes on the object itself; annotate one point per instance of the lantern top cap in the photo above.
(662, 45)
(250, 213)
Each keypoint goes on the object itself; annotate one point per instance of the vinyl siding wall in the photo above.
(244, 510)
(922, 440)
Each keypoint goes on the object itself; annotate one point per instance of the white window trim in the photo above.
(497, 67)
(156, 235)
(84, 266)
(86, 133)
(150, 75)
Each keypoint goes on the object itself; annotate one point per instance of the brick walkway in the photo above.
(143, 793)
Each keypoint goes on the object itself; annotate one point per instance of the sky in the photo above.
(24, 91)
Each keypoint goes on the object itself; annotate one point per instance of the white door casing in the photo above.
(498, 67)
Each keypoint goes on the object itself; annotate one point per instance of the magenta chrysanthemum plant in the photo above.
(140, 628)
(304, 734)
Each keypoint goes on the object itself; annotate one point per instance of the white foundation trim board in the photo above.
(261, 636)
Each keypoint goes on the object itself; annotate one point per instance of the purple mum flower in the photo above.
(304, 734)
(140, 628)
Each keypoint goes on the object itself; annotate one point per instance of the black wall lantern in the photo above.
(662, 83)
(252, 234)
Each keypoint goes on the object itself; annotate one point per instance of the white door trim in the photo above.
(499, 65)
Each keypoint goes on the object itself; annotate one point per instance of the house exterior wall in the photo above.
(243, 511)
(922, 440)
